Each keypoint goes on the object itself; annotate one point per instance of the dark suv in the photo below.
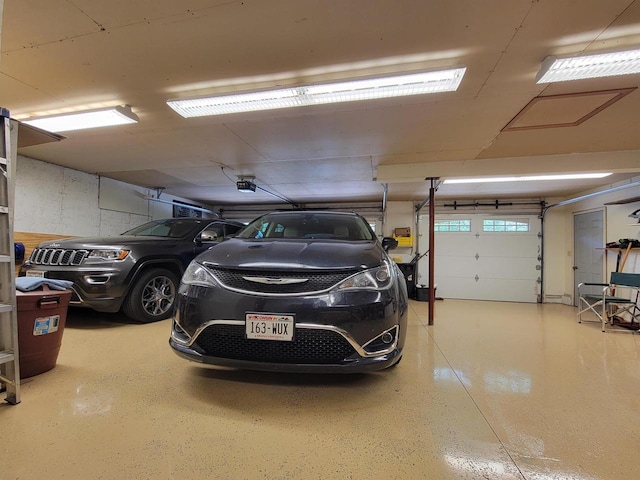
(138, 271)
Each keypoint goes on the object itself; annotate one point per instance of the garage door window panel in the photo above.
(505, 225)
(456, 225)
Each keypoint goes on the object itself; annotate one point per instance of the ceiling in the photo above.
(75, 54)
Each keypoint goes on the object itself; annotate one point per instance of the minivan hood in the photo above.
(294, 254)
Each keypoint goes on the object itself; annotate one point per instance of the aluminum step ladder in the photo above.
(9, 355)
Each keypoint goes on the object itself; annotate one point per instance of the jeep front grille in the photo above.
(57, 256)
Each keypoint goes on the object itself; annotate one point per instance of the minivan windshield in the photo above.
(309, 225)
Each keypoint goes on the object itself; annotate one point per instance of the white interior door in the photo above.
(487, 262)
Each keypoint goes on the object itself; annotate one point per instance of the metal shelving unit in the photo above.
(9, 355)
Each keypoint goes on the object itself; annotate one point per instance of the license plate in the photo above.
(34, 273)
(265, 326)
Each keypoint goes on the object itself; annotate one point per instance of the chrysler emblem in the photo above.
(276, 281)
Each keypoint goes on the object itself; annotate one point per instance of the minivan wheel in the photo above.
(152, 297)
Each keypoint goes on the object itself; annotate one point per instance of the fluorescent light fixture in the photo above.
(105, 117)
(555, 69)
(350, 91)
(530, 178)
(246, 186)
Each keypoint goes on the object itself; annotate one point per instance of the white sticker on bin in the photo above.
(45, 325)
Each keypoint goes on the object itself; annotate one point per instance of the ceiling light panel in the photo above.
(589, 66)
(245, 102)
(530, 178)
(396, 86)
(355, 90)
(85, 120)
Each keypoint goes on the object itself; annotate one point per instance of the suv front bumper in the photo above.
(102, 290)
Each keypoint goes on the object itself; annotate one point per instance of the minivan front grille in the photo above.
(57, 256)
(257, 281)
(309, 346)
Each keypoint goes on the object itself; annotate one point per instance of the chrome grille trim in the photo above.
(309, 346)
(294, 283)
(312, 326)
(57, 256)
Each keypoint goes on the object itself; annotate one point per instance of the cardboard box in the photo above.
(402, 232)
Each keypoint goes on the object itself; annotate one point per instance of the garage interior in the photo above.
(505, 384)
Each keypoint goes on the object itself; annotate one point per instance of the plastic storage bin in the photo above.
(409, 271)
(422, 293)
(42, 315)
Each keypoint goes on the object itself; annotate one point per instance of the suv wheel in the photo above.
(152, 296)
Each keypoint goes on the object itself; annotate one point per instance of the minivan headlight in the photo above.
(196, 274)
(378, 278)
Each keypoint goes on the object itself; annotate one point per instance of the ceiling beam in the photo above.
(614, 162)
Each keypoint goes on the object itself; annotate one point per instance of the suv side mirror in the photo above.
(208, 237)
(389, 243)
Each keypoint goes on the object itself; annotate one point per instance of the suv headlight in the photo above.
(196, 274)
(374, 279)
(108, 254)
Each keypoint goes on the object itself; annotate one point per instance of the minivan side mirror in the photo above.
(389, 243)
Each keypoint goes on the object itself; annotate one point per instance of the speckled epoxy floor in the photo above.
(492, 390)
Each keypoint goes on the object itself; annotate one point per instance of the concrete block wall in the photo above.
(61, 201)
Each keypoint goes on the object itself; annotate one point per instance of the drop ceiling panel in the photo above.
(148, 178)
(563, 110)
(611, 130)
(115, 13)
(41, 22)
(404, 129)
(21, 92)
(202, 176)
(149, 150)
(277, 173)
(568, 110)
(347, 191)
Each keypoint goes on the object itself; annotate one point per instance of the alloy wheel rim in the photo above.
(158, 296)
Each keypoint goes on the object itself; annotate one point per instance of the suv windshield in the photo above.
(309, 225)
(172, 228)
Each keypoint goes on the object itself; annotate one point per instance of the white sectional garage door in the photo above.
(496, 259)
